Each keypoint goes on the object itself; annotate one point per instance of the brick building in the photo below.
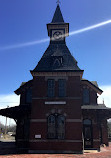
(58, 111)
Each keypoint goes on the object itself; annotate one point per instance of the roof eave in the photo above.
(45, 73)
(18, 91)
(56, 71)
(99, 91)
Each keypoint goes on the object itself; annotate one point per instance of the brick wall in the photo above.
(71, 110)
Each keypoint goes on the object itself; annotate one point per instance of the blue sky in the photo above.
(25, 21)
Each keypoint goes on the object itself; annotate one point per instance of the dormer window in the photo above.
(86, 96)
(56, 63)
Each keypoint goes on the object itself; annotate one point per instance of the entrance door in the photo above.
(87, 132)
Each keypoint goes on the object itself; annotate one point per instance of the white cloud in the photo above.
(106, 95)
(8, 100)
(24, 44)
(20, 45)
(90, 27)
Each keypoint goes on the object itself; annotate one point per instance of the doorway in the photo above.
(87, 132)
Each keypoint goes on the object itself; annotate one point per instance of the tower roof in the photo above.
(57, 57)
(60, 53)
(57, 18)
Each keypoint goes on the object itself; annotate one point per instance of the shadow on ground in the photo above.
(7, 148)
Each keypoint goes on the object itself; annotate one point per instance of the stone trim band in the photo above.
(44, 140)
(45, 120)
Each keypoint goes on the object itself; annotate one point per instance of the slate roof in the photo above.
(94, 84)
(23, 85)
(60, 52)
(57, 18)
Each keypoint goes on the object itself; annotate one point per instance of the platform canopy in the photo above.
(16, 112)
(100, 110)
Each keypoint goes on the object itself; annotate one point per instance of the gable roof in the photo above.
(93, 84)
(57, 18)
(22, 86)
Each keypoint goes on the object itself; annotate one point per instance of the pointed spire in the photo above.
(58, 18)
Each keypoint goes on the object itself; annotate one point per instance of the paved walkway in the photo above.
(8, 150)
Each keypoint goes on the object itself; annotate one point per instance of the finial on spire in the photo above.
(58, 2)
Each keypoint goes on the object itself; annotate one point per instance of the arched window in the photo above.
(86, 96)
(61, 127)
(56, 126)
(51, 127)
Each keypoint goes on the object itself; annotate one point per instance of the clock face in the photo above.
(57, 34)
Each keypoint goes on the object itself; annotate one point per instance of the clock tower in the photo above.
(58, 29)
(57, 56)
(56, 116)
